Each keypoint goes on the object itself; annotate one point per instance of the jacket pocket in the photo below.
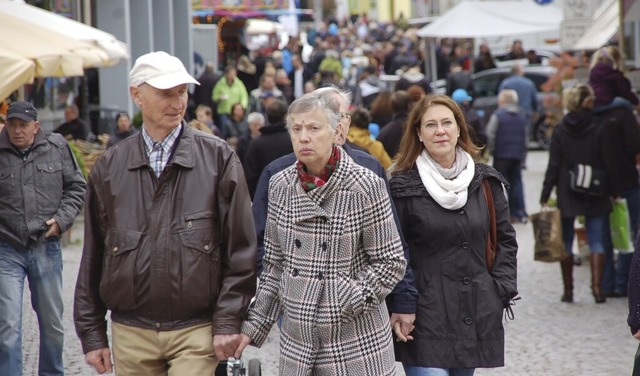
(121, 267)
(47, 170)
(198, 219)
(200, 271)
(6, 183)
(49, 185)
(489, 308)
(351, 299)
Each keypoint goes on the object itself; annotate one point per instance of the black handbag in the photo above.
(587, 180)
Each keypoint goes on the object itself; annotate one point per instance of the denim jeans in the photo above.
(616, 276)
(223, 123)
(430, 371)
(596, 232)
(42, 266)
(511, 169)
(636, 363)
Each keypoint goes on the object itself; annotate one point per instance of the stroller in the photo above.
(237, 367)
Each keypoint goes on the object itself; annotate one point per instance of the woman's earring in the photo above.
(420, 139)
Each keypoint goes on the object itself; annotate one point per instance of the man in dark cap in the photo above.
(41, 192)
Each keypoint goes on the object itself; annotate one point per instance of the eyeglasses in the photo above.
(432, 126)
(345, 115)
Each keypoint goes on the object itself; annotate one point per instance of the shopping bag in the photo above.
(547, 232)
(620, 226)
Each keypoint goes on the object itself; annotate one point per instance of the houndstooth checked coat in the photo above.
(331, 257)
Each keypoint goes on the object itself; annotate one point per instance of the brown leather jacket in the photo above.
(170, 252)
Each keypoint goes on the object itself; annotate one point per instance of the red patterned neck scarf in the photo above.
(309, 181)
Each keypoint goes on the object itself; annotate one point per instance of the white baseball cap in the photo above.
(160, 70)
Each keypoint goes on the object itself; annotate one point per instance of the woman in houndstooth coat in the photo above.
(332, 254)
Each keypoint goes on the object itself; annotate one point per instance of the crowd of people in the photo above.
(369, 248)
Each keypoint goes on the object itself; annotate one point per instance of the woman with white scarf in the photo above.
(437, 188)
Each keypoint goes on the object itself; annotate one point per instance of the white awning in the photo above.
(606, 24)
(54, 54)
(471, 19)
(16, 71)
(45, 20)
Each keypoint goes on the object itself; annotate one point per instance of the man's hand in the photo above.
(225, 345)
(244, 342)
(54, 228)
(637, 335)
(100, 360)
(402, 324)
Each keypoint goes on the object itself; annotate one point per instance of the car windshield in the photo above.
(537, 79)
(487, 85)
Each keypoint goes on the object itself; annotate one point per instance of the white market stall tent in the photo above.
(482, 20)
(474, 19)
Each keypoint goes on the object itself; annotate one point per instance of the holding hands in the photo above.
(402, 325)
(228, 345)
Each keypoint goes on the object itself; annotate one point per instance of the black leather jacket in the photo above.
(170, 252)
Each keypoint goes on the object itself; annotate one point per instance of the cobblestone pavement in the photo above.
(547, 337)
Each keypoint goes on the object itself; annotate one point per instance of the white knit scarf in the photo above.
(450, 194)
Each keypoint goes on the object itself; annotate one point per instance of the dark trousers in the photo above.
(511, 169)
(636, 364)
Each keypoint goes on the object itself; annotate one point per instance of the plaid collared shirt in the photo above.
(160, 151)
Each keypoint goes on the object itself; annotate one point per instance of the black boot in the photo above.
(566, 265)
(597, 270)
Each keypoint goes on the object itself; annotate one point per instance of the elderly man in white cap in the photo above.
(170, 244)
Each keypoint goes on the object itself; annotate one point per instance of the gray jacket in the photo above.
(36, 186)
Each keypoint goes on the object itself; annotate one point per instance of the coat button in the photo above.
(465, 245)
(461, 212)
(324, 246)
(320, 275)
(294, 272)
(157, 325)
(189, 224)
(206, 247)
(115, 249)
(298, 243)
(468, 320)
(466, 280)
(369, 300)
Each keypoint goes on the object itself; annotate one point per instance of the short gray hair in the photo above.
(331, 88)
(254, 117)
(324, 100)
(508, 96)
